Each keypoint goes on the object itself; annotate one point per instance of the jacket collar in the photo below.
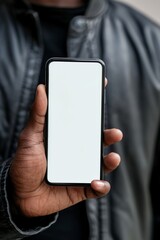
(95, 7)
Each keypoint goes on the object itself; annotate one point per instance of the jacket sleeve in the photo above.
(12, 225)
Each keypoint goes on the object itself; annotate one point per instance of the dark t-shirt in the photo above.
(72, 223)
(55, 23)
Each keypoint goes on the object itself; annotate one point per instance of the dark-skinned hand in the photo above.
(32, 195)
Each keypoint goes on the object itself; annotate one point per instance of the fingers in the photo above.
(112, 136)
(98, 189)
(111, 162)
(106, 81)
(101, 188)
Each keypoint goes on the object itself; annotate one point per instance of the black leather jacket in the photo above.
(129, 44)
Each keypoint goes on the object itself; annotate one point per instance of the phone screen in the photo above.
(74, 121)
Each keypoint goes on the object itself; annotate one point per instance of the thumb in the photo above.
(30, 150)
(37, 117)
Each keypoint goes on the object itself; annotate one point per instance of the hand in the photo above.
(32, 195)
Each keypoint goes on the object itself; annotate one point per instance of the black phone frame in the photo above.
(67, 59)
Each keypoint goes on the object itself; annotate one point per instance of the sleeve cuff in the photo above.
(14, 226)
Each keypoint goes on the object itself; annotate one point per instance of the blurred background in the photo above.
(148, 7)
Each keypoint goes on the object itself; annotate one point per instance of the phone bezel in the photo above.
(102, 116)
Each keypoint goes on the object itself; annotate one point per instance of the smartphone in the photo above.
(74, 122)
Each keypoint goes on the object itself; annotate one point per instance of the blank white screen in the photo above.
(74, 122)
